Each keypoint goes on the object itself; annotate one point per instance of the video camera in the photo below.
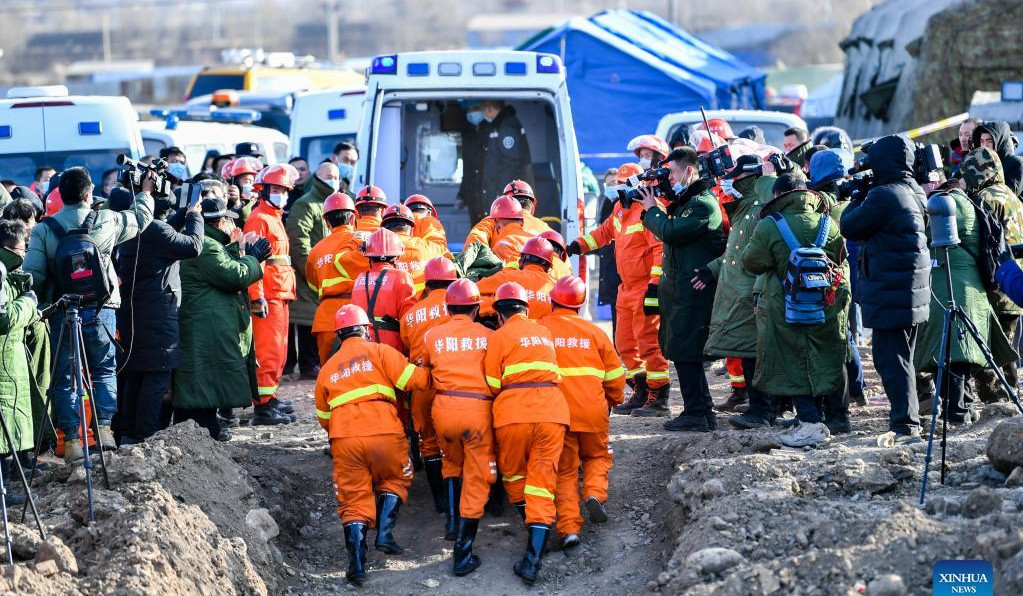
(926, 161)
(780, 163)
(662, 188)
(716, 163)
(135, 172)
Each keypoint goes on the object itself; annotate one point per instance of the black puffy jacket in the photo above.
(894, 285)
(151, 292)
(1012, 165)
(506, 155)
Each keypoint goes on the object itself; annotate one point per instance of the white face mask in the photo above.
(611, 191)
(678, 188)
(644, 163)
(246, 190)
(277, 199)
(346, 171)
(474, 117)
(332, 183)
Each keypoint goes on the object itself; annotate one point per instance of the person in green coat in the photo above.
(218, 361)
(305, 227)
(804, 362)
(17, 313)
(691, 229)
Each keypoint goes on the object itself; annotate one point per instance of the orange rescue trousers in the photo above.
(422, 421)
(596, 456)
(527, 455)
(466, 437)
(735, 376)
(271, 338)
(636, 337)
(364, 466)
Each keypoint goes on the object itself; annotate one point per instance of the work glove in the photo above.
(728, 188)
(703, 279)
(651, 301)
(573, 249)
(259, 308)
(260, 249)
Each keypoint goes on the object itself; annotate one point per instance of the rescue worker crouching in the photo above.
(533, 274)
(530, 418)
(355, 397)
(561, 266)
(427, 227)
(509, 236)
(593, 382)
(485, 230)
(455, 351)
(370, 203)
(416, 251)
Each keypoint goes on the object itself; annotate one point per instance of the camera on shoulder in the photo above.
(135, 172)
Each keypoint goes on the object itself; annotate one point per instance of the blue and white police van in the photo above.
(322, 119)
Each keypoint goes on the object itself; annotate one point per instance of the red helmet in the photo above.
(506, 207)
(338, 201)
(569, 291)
(349, 315)
(704, 141)
(651, 142)
(421, 200)
(556, 240)
(384, 243)
(518, 188)
(371, 194)
(400, 213)
(540, 248)
(440, 269)
(279, 174)
(462, 292)
(225, 170)
(627, 170)
(511, 291)
(718, 126)
(245, 165)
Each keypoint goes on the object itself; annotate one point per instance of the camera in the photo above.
(780, 162)
(858, 185)
(716, 163)
(135, 172)
(926, 161)
(658, 176)
(862, 164)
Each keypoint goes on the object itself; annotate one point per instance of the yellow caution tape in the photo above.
(923, 130)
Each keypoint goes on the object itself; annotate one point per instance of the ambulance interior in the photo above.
(414, 155)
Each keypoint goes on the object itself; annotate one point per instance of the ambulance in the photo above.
(322, 119)
(404, 150)
(196, 138)
(46, 126)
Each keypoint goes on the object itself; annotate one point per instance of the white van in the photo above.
(774, 124)
(196, 138)
(322, 119)
(404, 151)
(46, 126)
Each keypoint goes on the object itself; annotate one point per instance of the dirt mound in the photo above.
(181, 518)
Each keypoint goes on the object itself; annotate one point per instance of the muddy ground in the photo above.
(728, 512)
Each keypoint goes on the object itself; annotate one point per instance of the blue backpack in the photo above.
(808, 277)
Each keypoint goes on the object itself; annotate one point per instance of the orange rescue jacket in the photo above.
(537, 282)
(396, 295)
(278, 282)
(638, 252)
(454, 352)
(331, 269)
(486, 229)
(423, 316)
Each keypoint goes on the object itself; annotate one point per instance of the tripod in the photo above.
(81, 386)
(954, 313)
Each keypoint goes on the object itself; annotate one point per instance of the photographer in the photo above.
(108, 229)
(690, 229)
(894, 275)
(148, 317)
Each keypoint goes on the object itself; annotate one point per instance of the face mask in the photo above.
(474, 117)
(678, 188)
(487, 118)
(728, 187)
(277, 199)
(611, 192)
(333, 184)
(645, 163)
(178, 170)
(246, 190)
(346, 170)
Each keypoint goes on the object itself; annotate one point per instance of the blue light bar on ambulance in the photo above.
(484, 69)
(5, 131)
(336, 114)
(515, 68)
(234, 115)
(547, 64)
(384, 65)
(90, 128)
(418, 69)
(449, 69)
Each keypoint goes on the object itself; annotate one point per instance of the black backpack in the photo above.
(77, 266)
(990, 232)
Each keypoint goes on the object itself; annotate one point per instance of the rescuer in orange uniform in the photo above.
(592, 381)
(370, 203)
(638, 257)
(508, 237)
(530, 418)
(427, 227)
(332, 266)
(561, 266)
(454, 353)
(423, 316)
(355, 395)
(269, 296)
(399, 219)
(485, 230)
(533, 274)
(384, 292)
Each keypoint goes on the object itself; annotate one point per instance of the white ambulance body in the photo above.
(322, 119)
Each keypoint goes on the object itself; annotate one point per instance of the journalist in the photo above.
(690, 227)
(108, 229)
(894, 275)
(148, 317)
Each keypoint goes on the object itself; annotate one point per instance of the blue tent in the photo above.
(627, 69)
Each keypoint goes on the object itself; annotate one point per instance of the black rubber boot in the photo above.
(521, 508)
(749, 420)
(285, 405)
(464, 561)
(453, 490)
(388, 505)
(529, 566)
(688, 423)
(355, 543)
(267, 415)
(640, 392)
(436, 481)
(656, 404)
